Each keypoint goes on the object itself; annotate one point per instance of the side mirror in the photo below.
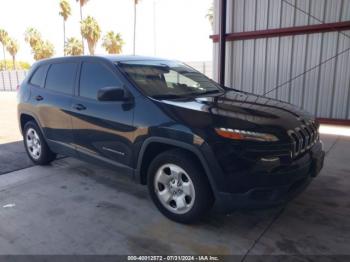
(111, 93)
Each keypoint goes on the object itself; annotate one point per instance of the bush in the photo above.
(20, 65)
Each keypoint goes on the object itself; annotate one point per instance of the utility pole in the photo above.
(134, 46)
(154, 29)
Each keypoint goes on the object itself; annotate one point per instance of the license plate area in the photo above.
(317, 164)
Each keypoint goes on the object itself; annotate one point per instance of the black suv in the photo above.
(195, 144)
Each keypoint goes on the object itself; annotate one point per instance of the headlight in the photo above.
(245, 135)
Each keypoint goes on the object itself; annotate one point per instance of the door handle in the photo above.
(79, 107)
(39, 98)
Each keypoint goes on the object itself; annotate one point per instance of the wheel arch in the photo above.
(159, 144)
(25, 117)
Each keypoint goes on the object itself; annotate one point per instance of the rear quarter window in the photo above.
(38, 77)
(61, 77)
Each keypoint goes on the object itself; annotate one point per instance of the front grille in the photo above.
(303, 138)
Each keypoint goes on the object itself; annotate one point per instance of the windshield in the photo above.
(164, 79)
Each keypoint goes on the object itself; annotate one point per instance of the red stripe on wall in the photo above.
(340, 122)
(298, 30)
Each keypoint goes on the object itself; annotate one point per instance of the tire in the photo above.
(179, 187)
(35, 145)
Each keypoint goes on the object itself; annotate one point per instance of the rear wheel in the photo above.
(35, 145)
(179, 187)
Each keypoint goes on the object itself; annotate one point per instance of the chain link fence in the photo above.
(9, 80)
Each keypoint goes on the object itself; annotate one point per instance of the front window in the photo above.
(164, 79)
(93, 77)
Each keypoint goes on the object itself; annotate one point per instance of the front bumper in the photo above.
(274, 191)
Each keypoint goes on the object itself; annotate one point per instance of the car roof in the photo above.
(111, 58)
(119, 58)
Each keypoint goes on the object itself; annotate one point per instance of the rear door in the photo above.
(53, 105)
(102, 130)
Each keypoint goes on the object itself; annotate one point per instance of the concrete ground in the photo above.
(72, 207)
(8, 118)
(12, 154)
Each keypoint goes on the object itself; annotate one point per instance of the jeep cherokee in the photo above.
(194, 143)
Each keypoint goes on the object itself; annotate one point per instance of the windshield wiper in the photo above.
(209, 92)
(186, 95)
(167, 96)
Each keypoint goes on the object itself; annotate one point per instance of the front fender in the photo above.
(189, 147)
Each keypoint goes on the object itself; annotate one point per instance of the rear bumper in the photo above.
(268, 196)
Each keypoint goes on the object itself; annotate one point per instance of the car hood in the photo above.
(234, 109)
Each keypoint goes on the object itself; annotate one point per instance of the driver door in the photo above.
(102, 129)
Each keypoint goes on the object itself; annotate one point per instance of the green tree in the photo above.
(210, 16)
(91, 31)
(3, 41)
(19, 64)
(41, 49)
(23, 65)
(135, 15)
(44, 49)
(81, 5)
(73, 46)
(65, 12)
(32, 36)
(113, 43)
(12, 47)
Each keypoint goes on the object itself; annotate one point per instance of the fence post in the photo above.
(17, 79)
(3, 80)
(9, 74)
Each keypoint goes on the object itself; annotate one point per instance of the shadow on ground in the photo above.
(13, 157)
(73, 207)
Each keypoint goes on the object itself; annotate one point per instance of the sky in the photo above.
(175, 29)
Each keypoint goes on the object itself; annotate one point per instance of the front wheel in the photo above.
(179, 187)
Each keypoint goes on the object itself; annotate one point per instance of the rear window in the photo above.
(61, 77)
(38, 78)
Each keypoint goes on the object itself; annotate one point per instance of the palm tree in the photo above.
(91, 31)
(210, 16)
(134, 44)
(12, 47)
(73, 46)
(41, 49)
(113, 43)
(81, 4)
(44, 49)
(65, 12)
(32, 36)
(3, 41)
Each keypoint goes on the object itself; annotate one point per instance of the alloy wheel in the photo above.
(33, 143)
